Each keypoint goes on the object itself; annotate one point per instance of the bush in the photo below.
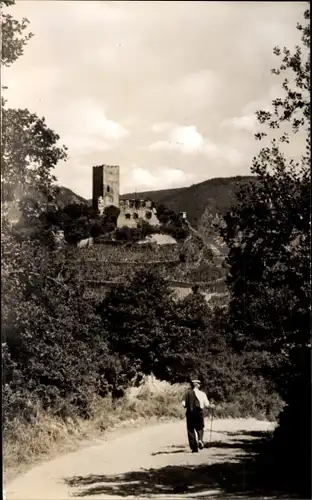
(56, 348)
(128, 234)
(172, 339)
(47, 431)
(268, 234)
(290, 449)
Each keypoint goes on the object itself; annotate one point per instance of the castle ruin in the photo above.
(133, 211)
(105, 187)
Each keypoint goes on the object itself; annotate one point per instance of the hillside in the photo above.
(217, 194)
(66, 196)
(101, 265)
(63, 197)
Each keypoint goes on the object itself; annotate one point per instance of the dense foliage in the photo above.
(14, 37)
(79, 221)
(268, 235)
(175, 339)
(60, 351)
(29, 153)
(55, 348)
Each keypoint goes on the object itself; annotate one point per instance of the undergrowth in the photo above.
(26, 443)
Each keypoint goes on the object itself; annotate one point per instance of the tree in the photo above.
(136, 316)
(156, 334)
(29, 154)
(13, 37)
(268, 232)
(171, 223)
(56, 351)
(79, 221)
(33, 293)
(208, 225)
(268, 235)
(153, 331)
(29, 148)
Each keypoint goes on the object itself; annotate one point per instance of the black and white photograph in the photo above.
(155, 250)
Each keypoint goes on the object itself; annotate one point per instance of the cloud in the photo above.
(232, 156)
(91, 129)
(185, 139)
(160, 127)
(187, 95)
(197, 89)
(247, 123)
(77, 175)
(92, 120)
(80, 145)
(144, 179)
(112, 78)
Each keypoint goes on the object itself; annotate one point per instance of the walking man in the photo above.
(195, 402)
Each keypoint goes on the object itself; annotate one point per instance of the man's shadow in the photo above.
(243, 444)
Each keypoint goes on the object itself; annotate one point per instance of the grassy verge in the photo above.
(28, 443)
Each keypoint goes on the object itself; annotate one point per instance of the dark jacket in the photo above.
(191, 401)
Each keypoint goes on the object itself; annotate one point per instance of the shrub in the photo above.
(56, 348)
(268, 234)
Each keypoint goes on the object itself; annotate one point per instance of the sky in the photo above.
(167, 90)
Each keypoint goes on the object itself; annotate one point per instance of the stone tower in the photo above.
(105, 187)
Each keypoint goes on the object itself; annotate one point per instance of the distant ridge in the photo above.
(216, 194)
(65, 196)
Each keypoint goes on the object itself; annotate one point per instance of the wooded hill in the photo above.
(218, 195)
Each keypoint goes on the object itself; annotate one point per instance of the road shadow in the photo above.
(169, 452)
(234, 478)
(255, 434)
(230, 478)
(251, 446)
(242, 444)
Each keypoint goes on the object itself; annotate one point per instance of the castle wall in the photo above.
(134, 211)
(105, 192)
(105, 187)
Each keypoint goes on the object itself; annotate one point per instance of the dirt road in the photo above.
(152, 462)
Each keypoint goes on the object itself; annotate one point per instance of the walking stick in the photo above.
(211, 425)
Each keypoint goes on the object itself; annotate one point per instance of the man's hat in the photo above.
(194, 380)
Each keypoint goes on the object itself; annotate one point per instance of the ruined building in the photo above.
(105, 187)
(133, 211)
(106, 193)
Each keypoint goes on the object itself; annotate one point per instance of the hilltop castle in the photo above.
(105, 193)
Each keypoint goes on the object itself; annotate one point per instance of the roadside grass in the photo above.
(27, 443)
